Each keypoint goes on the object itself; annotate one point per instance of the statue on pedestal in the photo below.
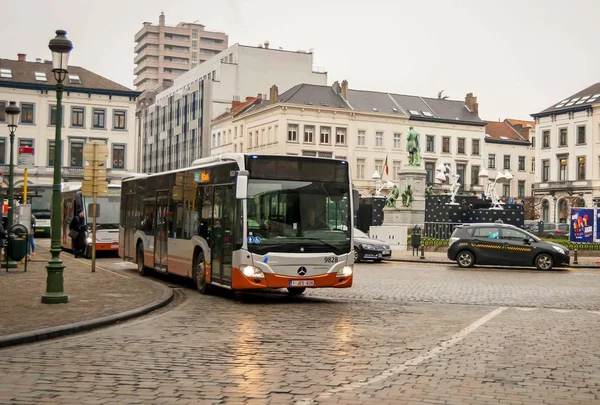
(413, 148)
(407, 197)
(391, 200)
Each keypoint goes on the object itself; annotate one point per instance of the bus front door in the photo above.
(162, 232)
(130, 226)
(221, 234)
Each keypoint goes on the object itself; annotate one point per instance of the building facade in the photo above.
(568, 154)
(163, 52)
(173, 127)
(364, 127)
(94, 108)
(509, 148)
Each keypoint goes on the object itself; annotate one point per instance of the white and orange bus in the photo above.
(242, 222)
(107, 219)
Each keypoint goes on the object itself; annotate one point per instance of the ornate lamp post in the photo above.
(12, 114)
(60, 47)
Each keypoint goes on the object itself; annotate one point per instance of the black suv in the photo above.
(503, 245)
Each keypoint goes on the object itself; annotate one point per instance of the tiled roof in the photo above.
(240, 108)
(413, 107)
(523, 127)
(30, 72)
(578, 101)
(501, 131)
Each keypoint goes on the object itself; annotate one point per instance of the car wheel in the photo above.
(357, 255)
(142, 269)
(465, 259)
(544, 262)
(200, 274)
(296, 290)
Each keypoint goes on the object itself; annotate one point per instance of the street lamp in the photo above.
(12, 114)
(60, 47)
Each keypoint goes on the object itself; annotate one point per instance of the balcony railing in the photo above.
(563, 185)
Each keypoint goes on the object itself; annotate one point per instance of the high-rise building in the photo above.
(163, 52)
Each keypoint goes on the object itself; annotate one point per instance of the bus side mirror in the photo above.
(241, 190)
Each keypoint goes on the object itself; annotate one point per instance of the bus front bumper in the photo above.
(330, 280)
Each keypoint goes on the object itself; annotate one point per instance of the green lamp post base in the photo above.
(55, 298)
(55, 293)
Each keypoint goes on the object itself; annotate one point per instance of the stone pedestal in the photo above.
(398, 221)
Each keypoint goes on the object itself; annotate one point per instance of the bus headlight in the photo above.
(251, 271)
(345, 271)
(89, 241)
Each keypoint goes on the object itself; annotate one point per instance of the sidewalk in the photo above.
(95, 299)
(585, 259)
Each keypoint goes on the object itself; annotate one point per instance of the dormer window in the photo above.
(40, 77)
(74, 79)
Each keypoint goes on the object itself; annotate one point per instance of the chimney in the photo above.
(22, 57)
(471, 103)
(161, 18)
(38, 60)
(273, 94)
(259, 96)
(345, 89)
(235, 103)
(336, 87)
(249, 98)
(267, 44)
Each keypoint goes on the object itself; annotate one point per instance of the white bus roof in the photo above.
(76, 186)
(223, 158)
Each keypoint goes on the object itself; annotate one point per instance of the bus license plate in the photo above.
(302, 283)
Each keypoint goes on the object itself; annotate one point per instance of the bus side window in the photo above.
(204, 203)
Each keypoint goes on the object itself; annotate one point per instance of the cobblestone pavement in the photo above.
(91, 295)
(437, 283)
(271, 349)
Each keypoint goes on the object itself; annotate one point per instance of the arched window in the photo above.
(545, 211)
(563, 211)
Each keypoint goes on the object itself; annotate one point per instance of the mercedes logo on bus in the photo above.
(302, 271)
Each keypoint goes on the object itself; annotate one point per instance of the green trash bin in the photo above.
(17, 242)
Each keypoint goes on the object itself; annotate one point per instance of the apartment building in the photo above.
(175, 127)
(163, 52)
(364, 127)
(568, 154)
(94, 108)
(509, 148)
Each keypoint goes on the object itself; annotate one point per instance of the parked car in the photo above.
(367, 248)
(551, 230)
(503, 245)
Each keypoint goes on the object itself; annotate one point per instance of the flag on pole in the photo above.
(387, 169)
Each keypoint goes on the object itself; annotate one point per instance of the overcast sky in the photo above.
(518, 57)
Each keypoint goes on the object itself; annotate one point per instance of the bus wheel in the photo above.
(200, 274)
(296, 290)
(143, 270)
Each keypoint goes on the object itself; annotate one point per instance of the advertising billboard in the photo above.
(581, 223)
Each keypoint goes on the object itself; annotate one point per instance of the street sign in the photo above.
(26, 157)
(90, 171)
(101, 188)
(95, 152)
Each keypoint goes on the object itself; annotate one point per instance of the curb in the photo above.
(572, 266)
(76, 327)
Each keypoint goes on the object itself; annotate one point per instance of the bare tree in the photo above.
(532, 208)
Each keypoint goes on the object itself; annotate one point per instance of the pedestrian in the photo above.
(31, 241)
(77, 229)
(3, 237)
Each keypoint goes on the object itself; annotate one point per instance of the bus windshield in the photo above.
(298, 216)
(109, 213)
(40, 204)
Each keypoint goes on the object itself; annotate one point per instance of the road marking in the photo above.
(412, 362)
(525, 309)
(561, 311)
(595, 312)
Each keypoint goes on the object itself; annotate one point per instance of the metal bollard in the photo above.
(422, 252)
(575, 257)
